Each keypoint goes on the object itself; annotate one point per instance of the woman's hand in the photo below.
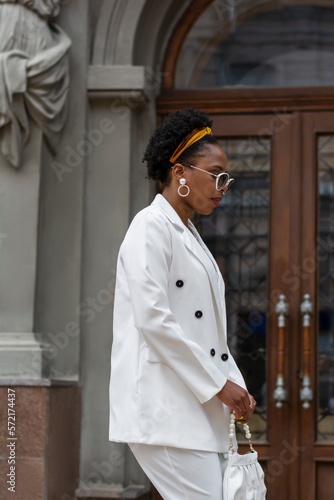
(238, 399)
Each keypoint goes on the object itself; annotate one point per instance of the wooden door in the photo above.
(257, 240)
(272, 236)
(317, 274)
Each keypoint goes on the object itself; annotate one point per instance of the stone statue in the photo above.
(34, 74)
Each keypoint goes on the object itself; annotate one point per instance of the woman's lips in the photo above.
(216, 201)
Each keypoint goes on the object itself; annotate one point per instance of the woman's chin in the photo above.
(208, 211)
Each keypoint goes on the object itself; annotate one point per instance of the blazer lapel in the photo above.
(216, 278)
(174, 218)
(169, 211)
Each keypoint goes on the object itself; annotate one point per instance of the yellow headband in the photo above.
(194, 136)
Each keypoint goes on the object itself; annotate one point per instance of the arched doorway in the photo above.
(264, 73)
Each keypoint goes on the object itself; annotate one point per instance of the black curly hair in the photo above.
(168, 136)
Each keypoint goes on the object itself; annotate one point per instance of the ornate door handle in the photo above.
(306, 309)
(280, 393)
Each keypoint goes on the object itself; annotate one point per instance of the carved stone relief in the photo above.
(34, 74)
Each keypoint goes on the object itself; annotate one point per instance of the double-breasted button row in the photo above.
(179, 284)
(199, 314)
(224, 356)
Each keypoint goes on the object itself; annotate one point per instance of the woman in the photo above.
(173, 380)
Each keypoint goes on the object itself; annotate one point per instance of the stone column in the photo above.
(115, 189)
(20, 347)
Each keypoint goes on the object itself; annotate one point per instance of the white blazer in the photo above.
(169, 354)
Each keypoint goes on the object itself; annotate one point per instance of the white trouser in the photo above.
(182, 474)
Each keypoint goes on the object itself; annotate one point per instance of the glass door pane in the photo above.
(326, 288)
(237, 234)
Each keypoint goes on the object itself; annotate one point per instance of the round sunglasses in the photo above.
(223, 180)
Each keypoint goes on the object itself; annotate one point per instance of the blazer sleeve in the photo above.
(146, 254)
(234, 372)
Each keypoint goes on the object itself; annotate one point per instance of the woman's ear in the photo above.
(178, 171)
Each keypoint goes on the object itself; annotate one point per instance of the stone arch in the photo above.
(113, 37)
(151, 33)
(129, 32)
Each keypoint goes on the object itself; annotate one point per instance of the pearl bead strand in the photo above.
(232, 433)
(248, 435)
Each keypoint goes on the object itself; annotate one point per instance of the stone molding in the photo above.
(105, 493)
(116, 78)
(118, 81)
(21, 356)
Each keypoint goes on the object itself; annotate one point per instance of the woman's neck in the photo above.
(179, 204)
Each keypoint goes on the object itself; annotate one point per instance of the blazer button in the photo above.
(198, 314)
(213, 352)
(179, 283)
(224, 357)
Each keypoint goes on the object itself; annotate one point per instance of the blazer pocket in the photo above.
(151, 356)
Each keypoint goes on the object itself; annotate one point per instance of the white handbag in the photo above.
(243, 477)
